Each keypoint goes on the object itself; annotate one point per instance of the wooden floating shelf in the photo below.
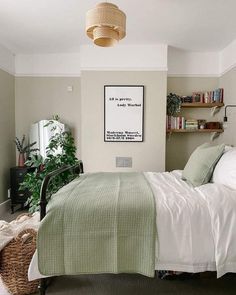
(194, 131)
(201, 105)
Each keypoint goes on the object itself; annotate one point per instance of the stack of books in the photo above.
(215, 96)
(191, 124)
(175, 122)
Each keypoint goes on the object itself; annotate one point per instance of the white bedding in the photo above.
(196, 227)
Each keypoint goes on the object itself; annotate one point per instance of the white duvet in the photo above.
(196, 227)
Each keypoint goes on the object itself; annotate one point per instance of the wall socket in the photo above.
(124, 162)
(70, 88)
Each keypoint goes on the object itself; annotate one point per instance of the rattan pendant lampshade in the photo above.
(105, 24)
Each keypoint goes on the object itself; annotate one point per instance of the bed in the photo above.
(195, 225)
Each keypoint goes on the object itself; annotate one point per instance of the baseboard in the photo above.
(4, 208)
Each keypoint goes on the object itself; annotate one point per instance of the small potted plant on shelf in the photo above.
(23, 149)
(173, 105)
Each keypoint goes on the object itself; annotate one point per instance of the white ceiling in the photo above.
(53, 26)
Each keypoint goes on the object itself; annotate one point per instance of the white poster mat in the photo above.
(123, 113)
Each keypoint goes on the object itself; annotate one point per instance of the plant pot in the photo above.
(21, 160)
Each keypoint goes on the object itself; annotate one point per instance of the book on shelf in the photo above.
(178, 123)
(175, 122)
(214, 96)
(191, 124)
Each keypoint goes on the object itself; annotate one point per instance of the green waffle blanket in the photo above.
(99, 223)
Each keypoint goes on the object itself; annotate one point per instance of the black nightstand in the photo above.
(16, 178)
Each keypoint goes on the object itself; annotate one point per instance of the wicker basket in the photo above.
(14, 263)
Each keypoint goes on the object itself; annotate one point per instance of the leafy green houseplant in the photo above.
(60, 152)
(173, 105)
(23, 149)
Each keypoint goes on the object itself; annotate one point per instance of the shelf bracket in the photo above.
(214, 135)
(215, 110)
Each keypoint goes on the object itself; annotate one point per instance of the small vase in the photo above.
(21, 160)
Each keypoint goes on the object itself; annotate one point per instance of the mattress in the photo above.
(196, 227)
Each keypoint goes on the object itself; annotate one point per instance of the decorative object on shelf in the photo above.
(213, 125)
(186, 99)
(123, 113)
(105, 24)
(23, 149)
(201, 124)
(198, 97)
(173, 104)
(33, 180)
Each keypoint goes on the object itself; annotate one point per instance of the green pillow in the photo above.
(201, 163)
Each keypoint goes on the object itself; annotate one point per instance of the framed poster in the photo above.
(123, 113)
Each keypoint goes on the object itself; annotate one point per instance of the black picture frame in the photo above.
(123, 137)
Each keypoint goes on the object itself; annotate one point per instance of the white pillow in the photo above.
(225, 170)
(228, 148)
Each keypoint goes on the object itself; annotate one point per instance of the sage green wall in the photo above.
(39, 98)
(228, 82)
(180, 146)
(99, 155)
(7, 131)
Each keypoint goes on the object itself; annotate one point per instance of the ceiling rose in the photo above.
(106, 24)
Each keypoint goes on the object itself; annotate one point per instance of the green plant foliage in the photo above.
(62, 142)
(173, 105)
(22, 147)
